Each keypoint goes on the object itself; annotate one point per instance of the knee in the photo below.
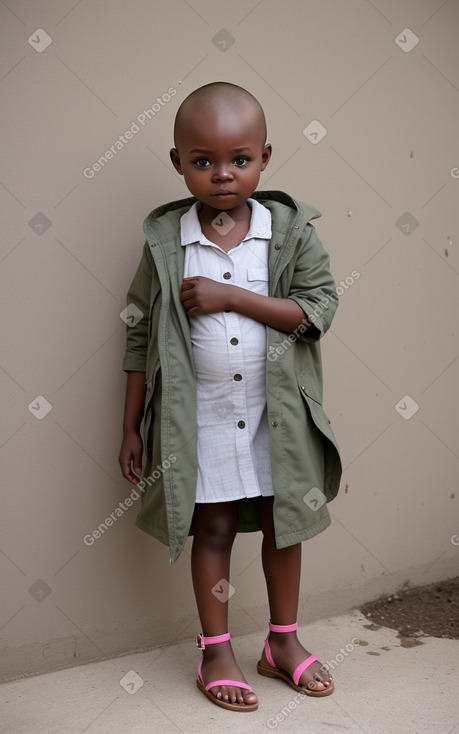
(216, 532)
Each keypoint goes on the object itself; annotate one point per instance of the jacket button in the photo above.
(277, 247)
(227, 276)
(237, 377)
(241, 424)
(234, 341)
(274, 424)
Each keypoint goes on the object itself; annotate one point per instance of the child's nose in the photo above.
(222, 173)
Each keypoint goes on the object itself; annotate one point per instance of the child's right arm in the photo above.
(130, 457)
(135, 364)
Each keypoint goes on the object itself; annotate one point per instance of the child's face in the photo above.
(221, 155)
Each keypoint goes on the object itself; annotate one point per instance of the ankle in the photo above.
(213, 652)
(282, 638)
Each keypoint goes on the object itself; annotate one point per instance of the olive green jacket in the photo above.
(306, 467)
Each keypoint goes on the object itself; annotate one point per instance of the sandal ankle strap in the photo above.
(283, 627)
(202, 641)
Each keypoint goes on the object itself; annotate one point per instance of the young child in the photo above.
(232, 294)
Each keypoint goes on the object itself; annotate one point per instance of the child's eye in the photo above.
(240, 160)
(202, 162)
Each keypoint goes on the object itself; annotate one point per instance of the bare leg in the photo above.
(282, 569)
(215, 529)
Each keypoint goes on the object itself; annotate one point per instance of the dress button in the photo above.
(274, 424)
(227, 276)
(237, 377)
(234, 341)
(241, 424)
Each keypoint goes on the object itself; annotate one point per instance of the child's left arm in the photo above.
(203, 295)
(309, 307)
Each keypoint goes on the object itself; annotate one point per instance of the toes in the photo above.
(320, 680)
(315, 685)
(234, 695)
(233, 698)
(220, 693)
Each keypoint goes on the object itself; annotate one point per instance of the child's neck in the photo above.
(241, 213)
(227, 239)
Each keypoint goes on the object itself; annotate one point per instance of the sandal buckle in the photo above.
(200, 641)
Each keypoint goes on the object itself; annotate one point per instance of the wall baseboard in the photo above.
(45, 657)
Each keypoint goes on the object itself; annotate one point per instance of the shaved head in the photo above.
(216, 101)
(220, 147)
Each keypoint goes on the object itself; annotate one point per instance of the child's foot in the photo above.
(288, 652)
(219, 663)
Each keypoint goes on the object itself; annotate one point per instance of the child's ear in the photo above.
(175, 158)
(266, 155)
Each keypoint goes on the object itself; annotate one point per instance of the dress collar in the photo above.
(260, 224)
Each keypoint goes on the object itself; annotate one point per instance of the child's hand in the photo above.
(130, 458)
(201, 295)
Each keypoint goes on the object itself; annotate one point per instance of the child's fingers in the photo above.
(189, 282)
(137, 461)
(127, 472)
(130, 462)
(137, 464)
(186, 297)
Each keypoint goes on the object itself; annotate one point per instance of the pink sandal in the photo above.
(201, 642)
(274, 672)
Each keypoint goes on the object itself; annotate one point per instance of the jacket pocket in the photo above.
(148, 410)
(311, 397)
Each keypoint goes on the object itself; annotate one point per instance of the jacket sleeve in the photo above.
(138, 305)
(313, 287)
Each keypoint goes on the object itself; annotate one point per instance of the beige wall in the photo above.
(391, 113)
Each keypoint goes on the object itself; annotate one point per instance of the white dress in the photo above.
(229, 350)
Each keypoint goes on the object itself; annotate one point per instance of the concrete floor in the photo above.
(381, 687)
